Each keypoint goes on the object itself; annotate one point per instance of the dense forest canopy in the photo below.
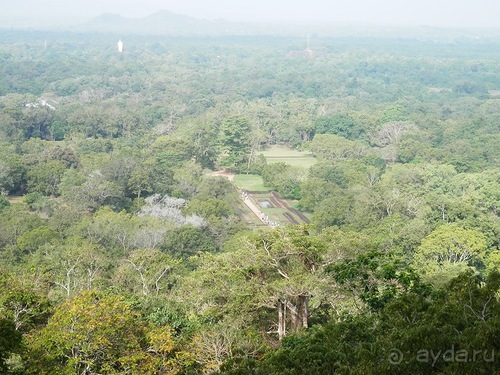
(125, 249)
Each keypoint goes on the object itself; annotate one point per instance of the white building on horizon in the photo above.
(120, 46)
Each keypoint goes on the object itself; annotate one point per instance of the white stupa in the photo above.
(120, 46)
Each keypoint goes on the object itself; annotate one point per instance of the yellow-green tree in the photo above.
(98, 333)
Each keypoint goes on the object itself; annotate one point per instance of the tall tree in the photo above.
(235, 142)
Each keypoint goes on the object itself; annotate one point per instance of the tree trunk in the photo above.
(303, 311)
(281, 319)
(299, 313)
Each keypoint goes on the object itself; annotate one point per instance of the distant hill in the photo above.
(169, 23)
(165, 22)
(109, 19)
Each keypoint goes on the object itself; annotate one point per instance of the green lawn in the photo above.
(305, 162)
(15, 198)
(250, 182)
(282, 151)
(276, 154)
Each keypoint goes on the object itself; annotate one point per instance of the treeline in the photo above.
(121, 252)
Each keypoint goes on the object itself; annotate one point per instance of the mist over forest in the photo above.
(183, 195)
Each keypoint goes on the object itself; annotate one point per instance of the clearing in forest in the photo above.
(276, 154)
(15, 199)
(250, 182)
(263, 207)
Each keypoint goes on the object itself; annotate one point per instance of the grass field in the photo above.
(250, 182)
(276, 154)
(15, 199)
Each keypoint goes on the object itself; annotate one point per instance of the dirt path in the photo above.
(246, 199)
(255, 209)
(275, 198)
(228, 175)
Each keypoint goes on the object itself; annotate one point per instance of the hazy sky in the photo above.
(454, 13)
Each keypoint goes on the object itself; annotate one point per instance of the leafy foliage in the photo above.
(116, 226)
(452, 331)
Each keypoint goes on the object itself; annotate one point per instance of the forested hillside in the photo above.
(125, 249)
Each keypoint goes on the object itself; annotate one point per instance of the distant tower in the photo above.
(308, 46)
(120, 46)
